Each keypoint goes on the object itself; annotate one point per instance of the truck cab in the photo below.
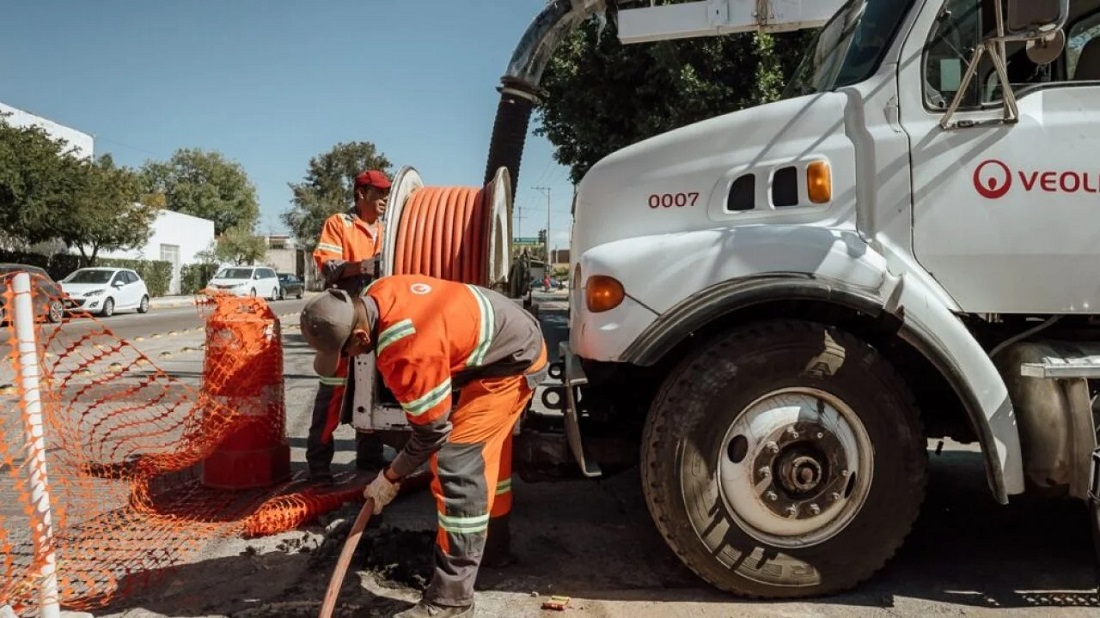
(779, 307)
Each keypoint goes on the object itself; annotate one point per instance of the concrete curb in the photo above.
(169, 302)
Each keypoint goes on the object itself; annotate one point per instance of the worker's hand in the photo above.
(381, 490)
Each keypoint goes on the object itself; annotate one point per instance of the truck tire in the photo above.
(784, 459)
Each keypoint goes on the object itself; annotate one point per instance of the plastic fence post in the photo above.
(23, 320)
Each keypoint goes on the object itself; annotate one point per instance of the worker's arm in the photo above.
(419, 375)
(329, 254)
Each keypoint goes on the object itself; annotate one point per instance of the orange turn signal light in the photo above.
(603, 293)
(819, 182)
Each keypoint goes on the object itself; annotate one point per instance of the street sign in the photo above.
(531, 241)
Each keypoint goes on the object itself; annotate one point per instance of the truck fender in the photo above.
(929, 326)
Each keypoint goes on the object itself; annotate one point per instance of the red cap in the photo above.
(372, 178)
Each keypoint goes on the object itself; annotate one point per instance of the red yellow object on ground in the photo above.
(243, 372)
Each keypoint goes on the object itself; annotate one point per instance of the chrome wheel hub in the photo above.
(795, 467)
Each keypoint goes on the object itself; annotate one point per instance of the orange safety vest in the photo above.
(346, 237)
(432, 335)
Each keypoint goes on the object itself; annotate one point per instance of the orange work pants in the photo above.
(472, 480)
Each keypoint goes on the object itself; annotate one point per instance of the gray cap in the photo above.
(327, 321)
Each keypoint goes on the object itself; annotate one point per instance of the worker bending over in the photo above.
(431, 336)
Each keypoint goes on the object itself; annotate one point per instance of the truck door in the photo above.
(1005, 216)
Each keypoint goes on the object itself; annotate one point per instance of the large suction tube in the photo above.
(519, 91)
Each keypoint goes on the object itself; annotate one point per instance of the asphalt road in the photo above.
(129, 326)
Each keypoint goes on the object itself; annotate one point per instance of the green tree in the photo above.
(204, 184)
(328, 188)
(601, 96)
(39, 177)
(106, 212)
(240, 246)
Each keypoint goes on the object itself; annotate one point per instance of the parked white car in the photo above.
(106, 290)
(246, 281)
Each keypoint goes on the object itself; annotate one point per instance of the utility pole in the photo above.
(547, 191)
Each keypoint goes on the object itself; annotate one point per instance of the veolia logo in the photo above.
(992, 179)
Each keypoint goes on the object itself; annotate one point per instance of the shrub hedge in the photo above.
(194, 277)
(156, 273)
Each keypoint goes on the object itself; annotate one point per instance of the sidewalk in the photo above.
(172, 301)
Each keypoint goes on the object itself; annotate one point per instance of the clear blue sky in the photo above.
(270, 83)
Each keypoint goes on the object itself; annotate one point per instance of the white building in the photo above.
(177, 238)
(82, 143)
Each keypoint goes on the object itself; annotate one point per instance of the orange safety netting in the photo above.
(145, 469)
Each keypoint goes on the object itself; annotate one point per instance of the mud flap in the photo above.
(573, 377)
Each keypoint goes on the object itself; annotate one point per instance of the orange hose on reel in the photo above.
(444, 233)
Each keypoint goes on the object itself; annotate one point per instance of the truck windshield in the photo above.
(849, 48)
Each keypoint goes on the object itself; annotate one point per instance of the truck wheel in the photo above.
(784, 459)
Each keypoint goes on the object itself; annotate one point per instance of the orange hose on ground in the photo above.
(444, 233)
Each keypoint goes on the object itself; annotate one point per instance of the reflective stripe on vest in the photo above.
(398, 331)
(485, 334)
(430, 400)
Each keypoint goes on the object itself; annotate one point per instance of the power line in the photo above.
(547, 191)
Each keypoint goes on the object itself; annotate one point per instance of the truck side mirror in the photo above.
(1024, 15)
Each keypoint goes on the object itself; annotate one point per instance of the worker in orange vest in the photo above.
(429, 337)
(347, 256)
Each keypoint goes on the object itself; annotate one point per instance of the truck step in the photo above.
(1063, 368)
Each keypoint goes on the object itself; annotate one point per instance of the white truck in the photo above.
(817, 286)
(775, 310)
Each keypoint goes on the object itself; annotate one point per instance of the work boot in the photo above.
(498, 544)
(427, 609)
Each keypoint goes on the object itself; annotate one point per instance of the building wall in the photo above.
(282, 260)
(82, 143)
(176, 238)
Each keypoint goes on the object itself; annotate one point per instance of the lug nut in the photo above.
(772, 447)
(815, 509)
(792, 511)
(834, 496)
(792, 433)
(765, 471)
(820, 435)
(770, 496)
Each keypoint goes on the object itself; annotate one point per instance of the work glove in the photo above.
(381, 490)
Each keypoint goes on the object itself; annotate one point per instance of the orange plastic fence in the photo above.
(144, 468)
